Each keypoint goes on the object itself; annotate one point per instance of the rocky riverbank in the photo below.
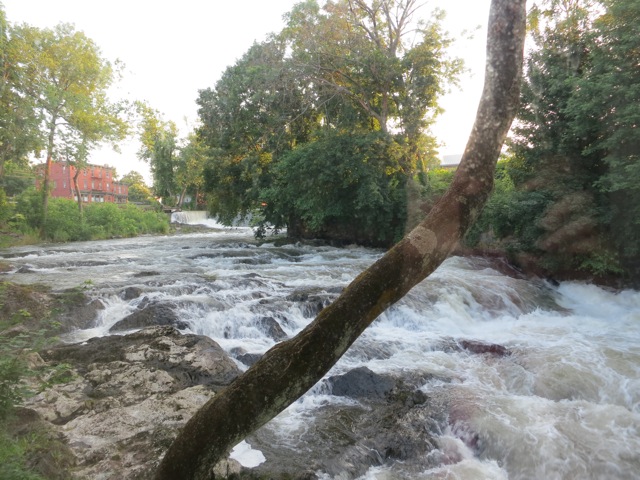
(111, 406)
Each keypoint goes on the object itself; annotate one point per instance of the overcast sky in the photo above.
(171, 49)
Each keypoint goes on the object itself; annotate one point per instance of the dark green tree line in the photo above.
(573, 201)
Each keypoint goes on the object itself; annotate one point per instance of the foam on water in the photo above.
(565, 403)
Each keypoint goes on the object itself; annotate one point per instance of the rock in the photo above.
(272, 328)
(249, 358)
(151, 314)
(129, 396)
(227, 468)
(187, 359)
(345, 441)
(150, 273)
(311, 300)
(77, 310)
(361, 382)
(130, 293)
(474, 346)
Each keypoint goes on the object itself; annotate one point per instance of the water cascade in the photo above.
(522, 379)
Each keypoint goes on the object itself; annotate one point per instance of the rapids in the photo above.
(564, 404)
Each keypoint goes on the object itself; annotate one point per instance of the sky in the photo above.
(172, 49)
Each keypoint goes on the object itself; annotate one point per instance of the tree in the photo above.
(159, 139)
(290, 368)
(18, 119)
(606, 109)
(342, 186)
(139, 192)
(371, 64)
(67, 83)
(350, 67)
(254, 114)
(190, 168)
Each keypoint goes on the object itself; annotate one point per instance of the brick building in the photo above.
(96, 183)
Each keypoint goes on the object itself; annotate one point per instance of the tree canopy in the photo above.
(63, 76)
(346, 70)
(572, 207)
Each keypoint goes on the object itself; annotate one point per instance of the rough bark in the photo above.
(290, 368)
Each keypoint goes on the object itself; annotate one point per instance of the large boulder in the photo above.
(126, 396)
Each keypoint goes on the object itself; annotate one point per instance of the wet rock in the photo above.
(473, 346)
(186, 359)
(311, 301)
(249, 358)
(345, 441)
(361, 382)
(481, 347)
(271, 328)
(25, 269)
(129, 395)
(151, 314)
(150, 273)
(130, 293)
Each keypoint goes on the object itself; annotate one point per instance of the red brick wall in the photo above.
(95, 182)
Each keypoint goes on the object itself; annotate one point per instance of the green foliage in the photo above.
(159, 139)
(13, 459)
(574, 156)
(438, 181)
(5, 208)
(98, 220)
(18, 119)
(26, 325)
(342, 67)
(64, 222)
(139, 192)
(342, 186)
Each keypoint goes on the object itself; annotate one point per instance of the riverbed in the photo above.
(561, 401)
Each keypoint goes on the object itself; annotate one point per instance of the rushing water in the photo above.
(565, 404)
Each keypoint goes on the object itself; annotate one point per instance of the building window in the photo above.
(93, 184)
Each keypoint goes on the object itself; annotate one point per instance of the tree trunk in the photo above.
(47, 174)
(182, 194)
(77, 189)
(290, 368)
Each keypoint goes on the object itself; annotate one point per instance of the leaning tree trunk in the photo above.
(290, 368)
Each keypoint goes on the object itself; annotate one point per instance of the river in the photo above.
(564, 404)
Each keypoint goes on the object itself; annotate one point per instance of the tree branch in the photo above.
(290, 368)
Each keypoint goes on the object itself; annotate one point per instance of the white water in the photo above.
(201, 217)
(564, 405)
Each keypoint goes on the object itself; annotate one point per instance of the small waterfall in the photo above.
(190, 217)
